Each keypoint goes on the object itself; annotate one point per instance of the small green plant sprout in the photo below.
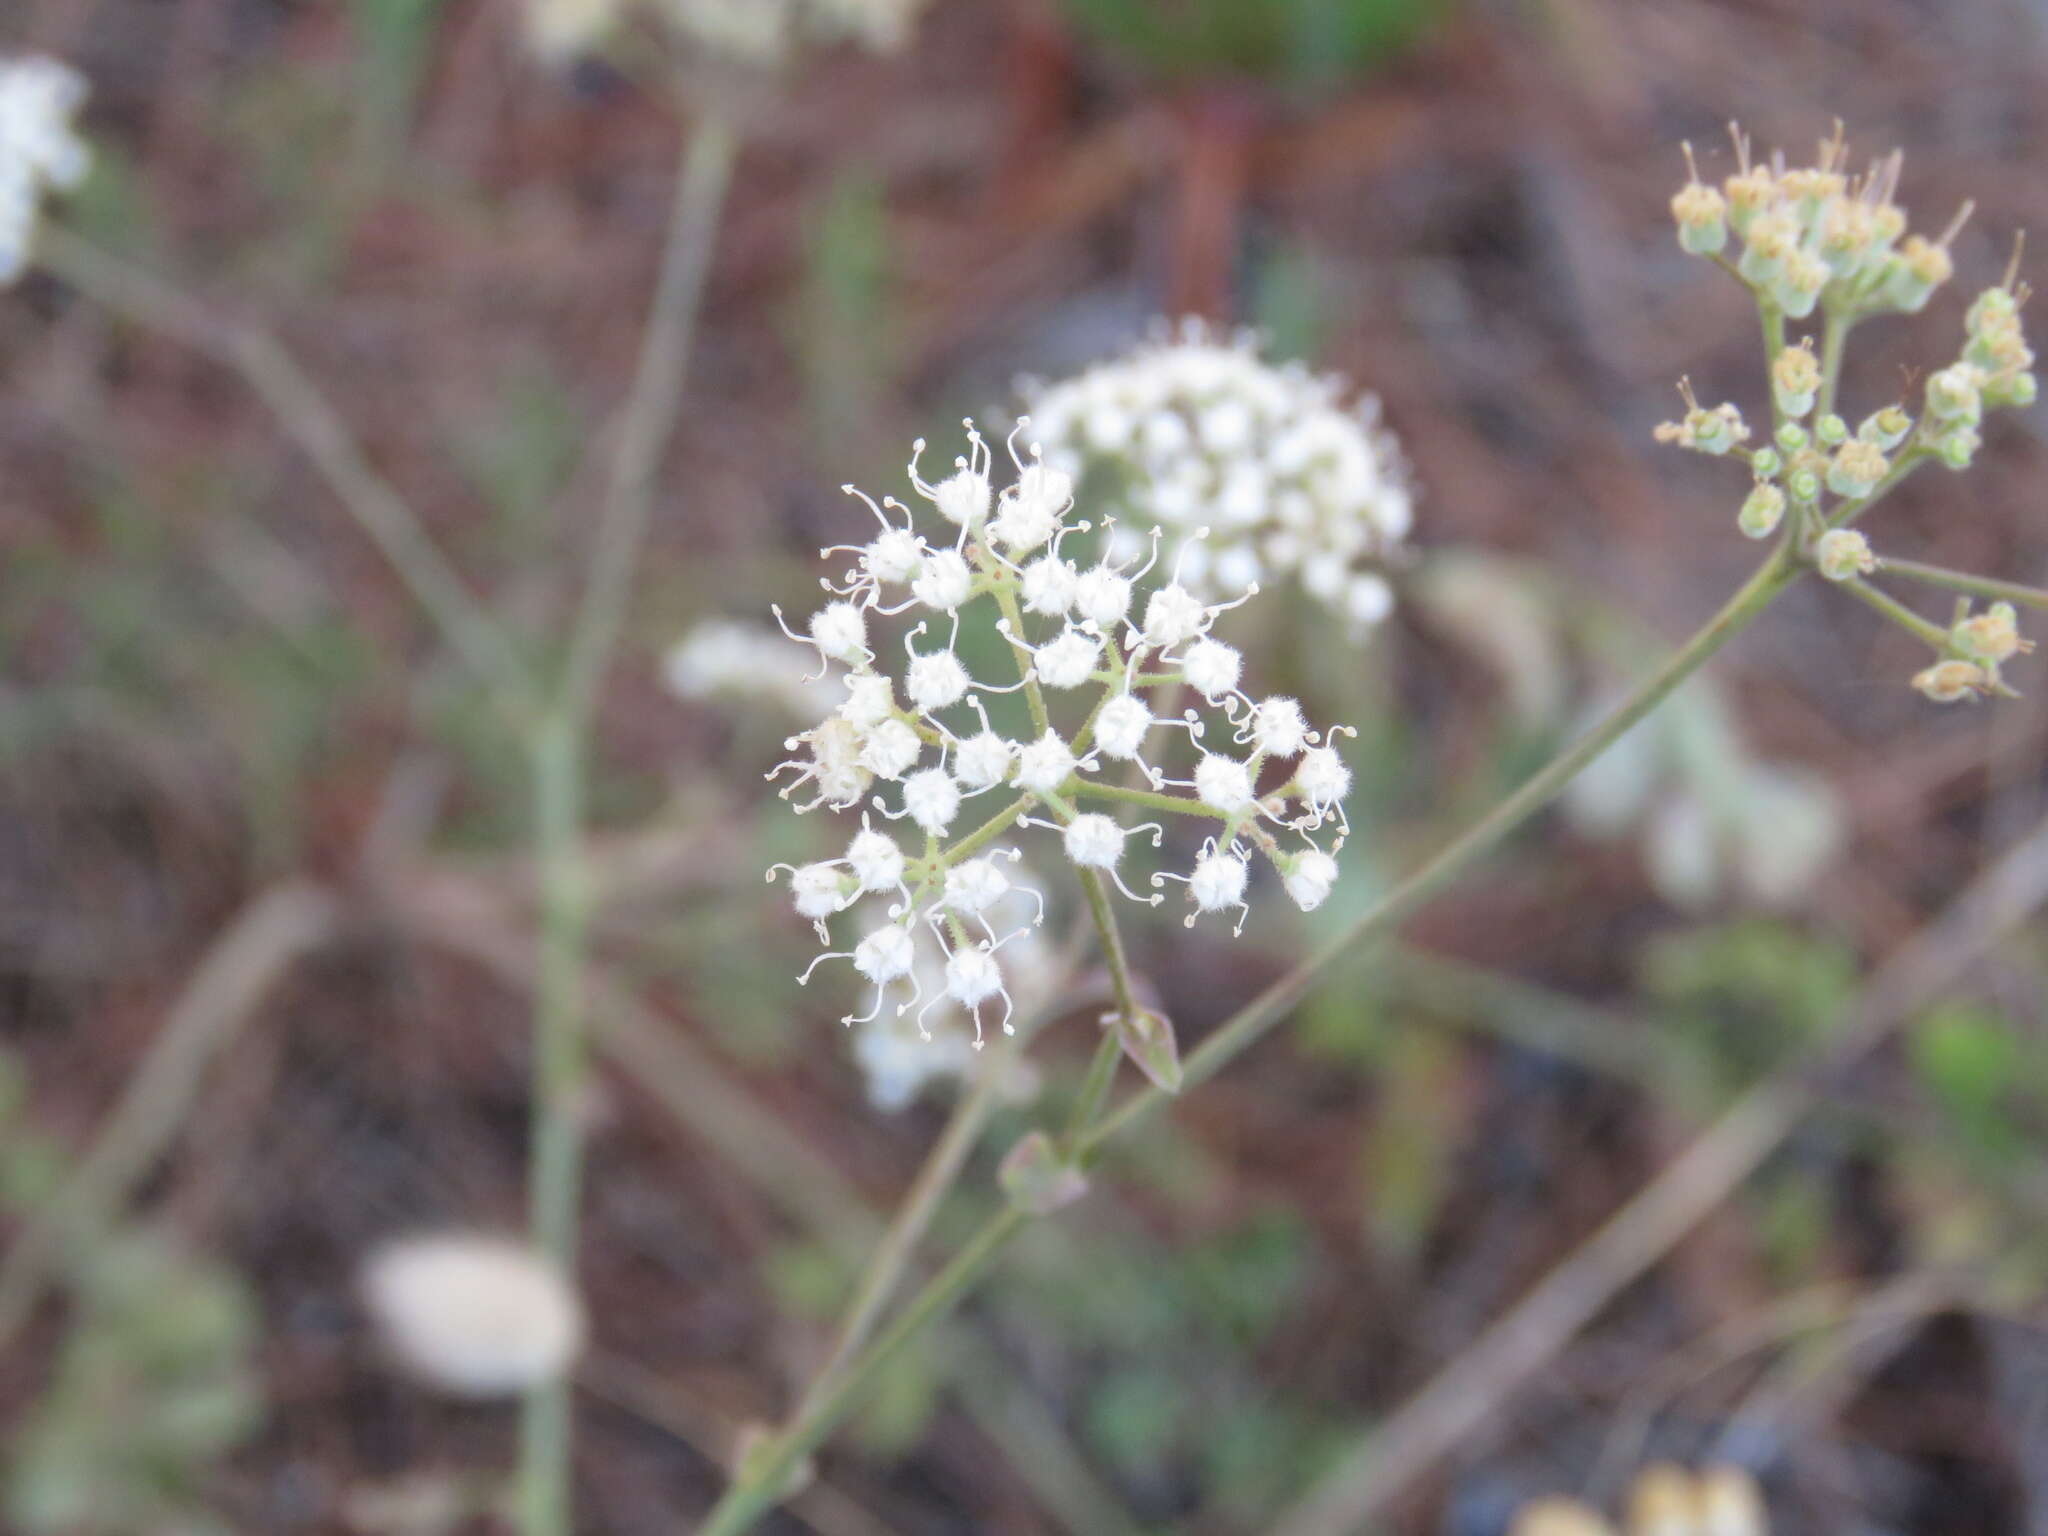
(1290, 476)
(1092, 649)
(39, 152)
(1819, 242)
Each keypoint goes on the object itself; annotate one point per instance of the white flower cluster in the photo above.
(1288, 479)
(756, 31)
(1095, 651)
(38, 149)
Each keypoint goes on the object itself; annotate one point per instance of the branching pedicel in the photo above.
(1813, 239)
(1089, 658)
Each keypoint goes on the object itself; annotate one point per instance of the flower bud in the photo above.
(1765, 463)
(1796, 289)
(1791, 438)
(2011, 389)
(1841, 553)
(1830, 430)
(1954, 395)
(1947, 681)
(1958, 447)
(1702, 218)
(1771, 240)
(1886, 428)
(1308, 879)
(1748, 195)
(1991, 637)
(1795, 381)
(1914, 273)
(1857, 469)
(1762, 510)
(1804, 484)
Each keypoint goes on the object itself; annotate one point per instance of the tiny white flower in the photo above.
(1173, 616)
(1068, 661)
(475, 1316)
(931, 798)
(1045, 764)
(1211, 667)
(1310, 879)
(1032, 508)
(895, 555)
(1050, 585)
(1218, 881)
(983, 761)
(817, 890)
(1224, 782)
(840, 633)
(1278, 728)
(876, 861)
(885, 955)
(890, 750)
(944, 582)
(870, 699)
(975, 885)
(972, 976)
(1102, 595)
(1121, 725)
(1094, 841)
(936, 681)
(1322, 778)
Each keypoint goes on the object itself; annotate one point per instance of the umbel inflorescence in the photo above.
(39, 152)
(1816, 243)
(1100, 652)
(1290, 476)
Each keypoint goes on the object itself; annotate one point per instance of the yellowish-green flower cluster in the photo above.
(1818, 242)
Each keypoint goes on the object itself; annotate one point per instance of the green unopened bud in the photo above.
(1841, 553)
(1765, 463)
(1914, 273)
(1791, 437)
(1958, 447)
(1804, 484)
(2011, 389)
(1749, 193)
(1769, 243)
(1700, 213)
(1798, 284)
(1886, 428)
(1856, 468)
(1993, 308)
(1762, 511)
(1993, 636)
(1795, 380)
(1955, 394)
(1831, 429)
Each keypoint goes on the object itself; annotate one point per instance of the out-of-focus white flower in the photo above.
(727, 659)
(476, 1316)
(39, 151)
(1290, 479)
(563, 29)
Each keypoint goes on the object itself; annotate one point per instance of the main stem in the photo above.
(555, 1178)
(762, 1481)
(560, 751)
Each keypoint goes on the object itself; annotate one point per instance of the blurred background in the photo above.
(262, 846)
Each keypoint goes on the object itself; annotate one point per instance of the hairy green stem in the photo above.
(1963, 581)
(1174, 804)
(762, 1481)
